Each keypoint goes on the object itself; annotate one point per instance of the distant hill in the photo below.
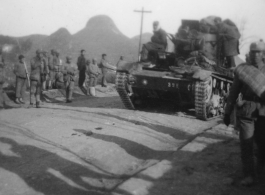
(100, 35)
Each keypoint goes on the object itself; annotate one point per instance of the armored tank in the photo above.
(194, 74)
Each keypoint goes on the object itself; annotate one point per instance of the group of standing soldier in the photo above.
(48, 71)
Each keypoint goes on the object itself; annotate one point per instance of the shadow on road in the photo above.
(214, 170)
(133, 148)
(47, 172)
(175, 133)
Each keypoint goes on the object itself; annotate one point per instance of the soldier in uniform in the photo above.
(104, 66)
(160, 36)
(70, 72)
(36, 64)
(57, 62)
(21, 80)
(93, 72)
(250, 111)
(81, 63)
(230, 35)
(45, 70)
(51, 69)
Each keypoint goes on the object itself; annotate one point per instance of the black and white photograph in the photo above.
(132, 97)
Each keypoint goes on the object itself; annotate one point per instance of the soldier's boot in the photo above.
(37, 104)
(92, 91)
(17, 101)
(247, 157)
(21, 101)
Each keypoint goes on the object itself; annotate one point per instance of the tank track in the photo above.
(121, 82)
(202, 107)
(200, 97)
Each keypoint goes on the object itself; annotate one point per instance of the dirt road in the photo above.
(95, 146)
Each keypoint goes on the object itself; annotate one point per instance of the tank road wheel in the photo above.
(121, 87)
(203, 94)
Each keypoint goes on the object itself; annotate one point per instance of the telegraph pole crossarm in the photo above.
(141, 30)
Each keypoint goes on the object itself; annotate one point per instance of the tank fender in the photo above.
(128, 67)
(201, 74)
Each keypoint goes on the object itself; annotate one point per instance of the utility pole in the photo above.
(141, 30)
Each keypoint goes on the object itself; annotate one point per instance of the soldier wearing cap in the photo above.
(21, 80)
(229, 34)
(70, 72)
(160, 36)
(104, 65)
(93, 72)
(81, 63)
(51, 69)
(45, 71)
(36, 65)
(250, 111)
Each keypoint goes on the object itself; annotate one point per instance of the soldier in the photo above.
(120, 61)
(59, 78)
(88, 62)
(160, 36)
(36, 64)
(93, 72)
(21, 80)
(230, 35)
(104, 65)
(51, 70)
(45, 70)
(250, 115)
(57, 62)
(70, 72)
(81, 63)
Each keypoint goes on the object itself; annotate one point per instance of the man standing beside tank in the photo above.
(250, 111)
(160, 36)
(70, 72)
(104, 66)
(36, 65)
(21, 80)
(93, 72)
(81, 63)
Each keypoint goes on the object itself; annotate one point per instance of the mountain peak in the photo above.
(102, 23)
(61, 32)
(100, 20)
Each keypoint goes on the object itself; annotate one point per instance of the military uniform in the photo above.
(70, 72)
(81, 63)
(250, 111)
(36, 64)
(21, 81)
(59, 78)
(45, 71)
(230, 40)
(104, 66)
(160, 37)
(93, 72)
(53, 62)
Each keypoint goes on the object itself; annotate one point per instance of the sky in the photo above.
(25, 17)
